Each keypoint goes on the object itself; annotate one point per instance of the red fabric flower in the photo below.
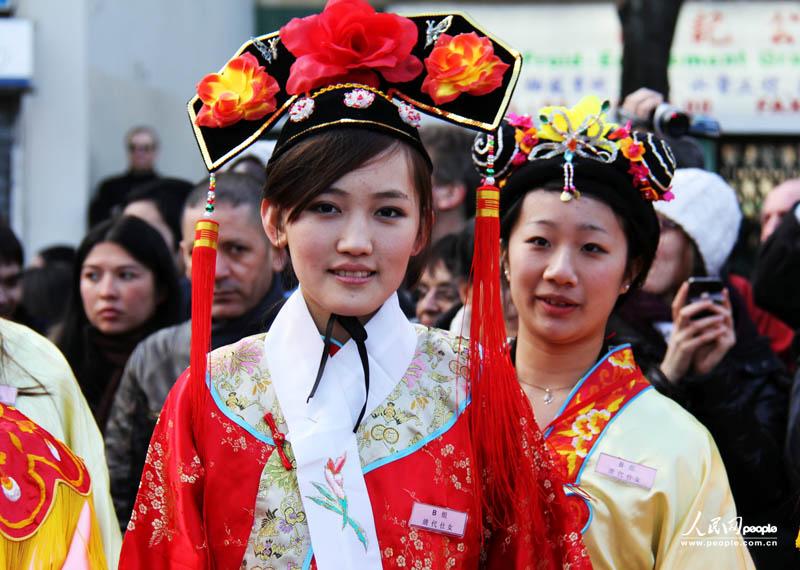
(242, 90)
(350, 42)
(465, 63)
(620, 132)
(640, 173)
(519, 159)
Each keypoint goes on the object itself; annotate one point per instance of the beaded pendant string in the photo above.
(204, 260)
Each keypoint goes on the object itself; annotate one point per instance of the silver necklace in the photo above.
(548, 397)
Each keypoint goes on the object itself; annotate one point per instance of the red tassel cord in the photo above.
(204, 260)
(522, 487)
(280, 440)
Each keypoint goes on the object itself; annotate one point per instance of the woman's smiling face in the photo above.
(567, 266)
(351, 245)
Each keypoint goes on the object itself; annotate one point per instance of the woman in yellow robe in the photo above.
(36, 379)
(47, 518)
(579, 231)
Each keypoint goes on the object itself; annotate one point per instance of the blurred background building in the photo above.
(75, 76)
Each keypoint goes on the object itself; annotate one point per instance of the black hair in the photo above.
(449, 148)
(454, 251)
(233, 189)
(311, 166)
(44, 290)
(636, 216)
(144, 244)
(168, 196)
(58, 254)
(10, 247)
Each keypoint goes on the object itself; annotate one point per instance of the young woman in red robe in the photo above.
(341, 438)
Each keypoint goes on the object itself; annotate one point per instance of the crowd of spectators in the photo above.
(117, 307)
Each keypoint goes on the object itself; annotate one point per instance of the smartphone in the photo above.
(701, 288)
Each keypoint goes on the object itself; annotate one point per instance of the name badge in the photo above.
(626, 471)
(8, 395)
(438, 519)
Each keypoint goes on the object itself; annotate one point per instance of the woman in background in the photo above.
(125, 288)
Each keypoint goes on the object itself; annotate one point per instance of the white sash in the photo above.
(332, 486)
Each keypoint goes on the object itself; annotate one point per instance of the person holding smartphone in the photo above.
(693, 337)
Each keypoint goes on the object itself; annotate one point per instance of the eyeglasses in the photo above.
(141, 147)
(441, 294)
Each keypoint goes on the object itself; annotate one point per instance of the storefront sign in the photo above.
(738, 62)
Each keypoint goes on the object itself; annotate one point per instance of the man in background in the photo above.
(454, 177)
(142, 148)
(777, 203)
(246, 289)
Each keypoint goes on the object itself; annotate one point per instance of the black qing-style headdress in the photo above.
(351, 67)
(346, 67)
(584, 151)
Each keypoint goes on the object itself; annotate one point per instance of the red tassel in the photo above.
(522, 486)
(204, 259)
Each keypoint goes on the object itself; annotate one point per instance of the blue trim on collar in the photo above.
(602, 433)
(417, 446)
(309, 556)
(588, 505)
(583, 379)
(238, 420)
(591, 451)
(233, 417)
(333, 341)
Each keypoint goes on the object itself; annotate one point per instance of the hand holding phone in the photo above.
(703, 330)
(702, 288)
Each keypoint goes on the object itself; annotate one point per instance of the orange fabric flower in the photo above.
(632, 150)
(649, 193)
(582, 447)
(465, 63)
(526, 139)
(588, 425)
(242, 90)
(350, 42)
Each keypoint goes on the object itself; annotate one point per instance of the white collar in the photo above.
(322, 429)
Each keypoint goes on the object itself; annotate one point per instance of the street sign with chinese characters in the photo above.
(737, 61)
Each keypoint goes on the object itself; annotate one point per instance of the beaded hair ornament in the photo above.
(580, 132)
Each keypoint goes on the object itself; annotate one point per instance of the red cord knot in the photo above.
(280, 440)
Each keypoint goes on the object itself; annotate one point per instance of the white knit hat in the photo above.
(707, 209)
